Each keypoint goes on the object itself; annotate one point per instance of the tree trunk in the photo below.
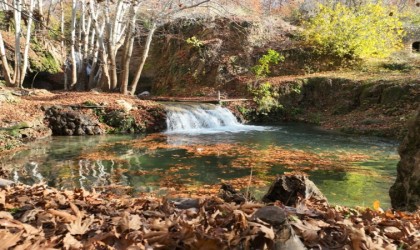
(27, 44)
(63, 49)
(18, 59)
(5, 64)
(143, 59)
(73, 79)
(128, 50)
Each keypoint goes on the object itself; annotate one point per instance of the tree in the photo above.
(17, 77)
(371, 30)
(165, 11)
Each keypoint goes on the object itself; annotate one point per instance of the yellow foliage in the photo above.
(376, 205)
(371, 30)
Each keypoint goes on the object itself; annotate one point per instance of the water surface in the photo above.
(349, 170)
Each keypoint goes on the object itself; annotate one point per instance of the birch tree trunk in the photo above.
(5, 64)
(27, 44)
(102, 55)
(114, 32)
(18, 58)
(63, 48)
(73, 79)
(128, 50)
(143, 58)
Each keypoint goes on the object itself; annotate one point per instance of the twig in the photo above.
(249, 184)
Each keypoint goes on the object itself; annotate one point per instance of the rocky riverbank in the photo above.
(27, 115)
(380, 108)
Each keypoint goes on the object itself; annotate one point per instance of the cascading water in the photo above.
(202, 118)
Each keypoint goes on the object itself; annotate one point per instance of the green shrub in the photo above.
(265, 97)
(350, 34)
(195, 42)
(262, 69)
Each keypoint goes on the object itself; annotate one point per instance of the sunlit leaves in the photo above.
(371, 30)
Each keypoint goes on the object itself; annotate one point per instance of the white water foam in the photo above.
(203, 119)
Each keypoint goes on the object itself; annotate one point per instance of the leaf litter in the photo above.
(41, 217)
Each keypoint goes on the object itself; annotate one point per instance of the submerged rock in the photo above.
(289, 188)
(405, 193)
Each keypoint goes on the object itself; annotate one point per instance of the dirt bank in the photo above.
(26, 115)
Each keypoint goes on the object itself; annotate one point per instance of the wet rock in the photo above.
(290, 188)
(273, 215)
(405, 193)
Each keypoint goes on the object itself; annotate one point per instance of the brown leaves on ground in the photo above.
(40, 217)
(28, 108)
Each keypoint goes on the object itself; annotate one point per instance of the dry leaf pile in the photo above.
(40, 217)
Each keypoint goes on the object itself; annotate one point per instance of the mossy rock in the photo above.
(121, 122)
(393, 94)
(371, 94)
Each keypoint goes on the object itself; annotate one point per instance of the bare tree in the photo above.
(165, 11)
(73, 78)
(17, 77)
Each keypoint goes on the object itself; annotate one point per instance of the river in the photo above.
(195, 156)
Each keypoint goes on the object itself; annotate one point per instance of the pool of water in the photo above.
(349, 170)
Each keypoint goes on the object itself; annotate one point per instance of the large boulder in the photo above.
(405, 193)
(290, 188)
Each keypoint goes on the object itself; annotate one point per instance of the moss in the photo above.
(45, 61)
(121, 122)
(393, 94)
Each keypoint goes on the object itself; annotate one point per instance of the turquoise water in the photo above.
(349, 170)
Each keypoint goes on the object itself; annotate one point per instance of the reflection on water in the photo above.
(349, 170)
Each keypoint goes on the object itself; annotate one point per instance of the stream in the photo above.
(204, 146)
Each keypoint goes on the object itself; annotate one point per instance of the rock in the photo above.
(5, 183)
(273, 215)
(229, 194)
(79, 131)
(185, 203)
(288, 188)
(71, 125)
(89, 130)
(394, 94)
(7, 96)
(143, 94)
(287, 239)
(66, 121)
(125, 105)
(405, 193)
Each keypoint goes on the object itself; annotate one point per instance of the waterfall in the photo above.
(202, 118)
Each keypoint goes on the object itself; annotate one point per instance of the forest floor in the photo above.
(41, 217)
